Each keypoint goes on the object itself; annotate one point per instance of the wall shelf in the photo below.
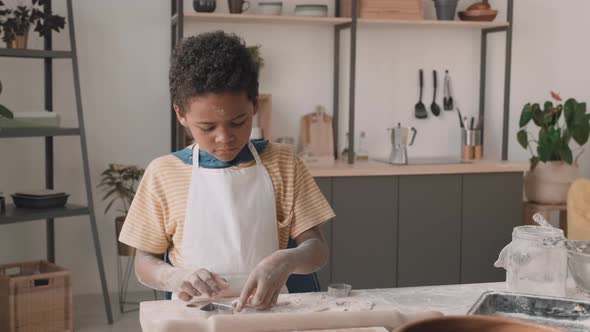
(39, 54)
(37, 132)
(263, 19)
(330, 21)
(16, 215)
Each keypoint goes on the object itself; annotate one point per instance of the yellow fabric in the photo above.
(578, 210)
(156, 218)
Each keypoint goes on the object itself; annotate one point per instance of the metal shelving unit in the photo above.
(486, 29)
(17, 215)
(342, 23)
(37, 132)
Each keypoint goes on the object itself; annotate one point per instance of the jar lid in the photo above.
(536, 233)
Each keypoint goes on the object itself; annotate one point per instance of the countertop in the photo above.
(420, 167)
(429, 300)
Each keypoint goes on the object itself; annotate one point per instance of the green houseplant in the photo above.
(16, 22)
(553, 158)
(119, 183)
(256, 56)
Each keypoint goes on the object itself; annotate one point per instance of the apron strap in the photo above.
(250, 146)
(254, 153)
(196, 155)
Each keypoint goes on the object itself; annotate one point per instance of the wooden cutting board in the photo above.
(294, 312)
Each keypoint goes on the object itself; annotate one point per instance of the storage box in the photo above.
(35, 296)
(384, 9)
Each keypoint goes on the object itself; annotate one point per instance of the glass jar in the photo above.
(535, 261)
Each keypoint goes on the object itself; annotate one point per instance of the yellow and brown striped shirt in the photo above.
(155, 220)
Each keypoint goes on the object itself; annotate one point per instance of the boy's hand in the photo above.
(201, 282)
(266, 281)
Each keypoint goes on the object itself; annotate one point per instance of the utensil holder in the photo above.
(471, 147)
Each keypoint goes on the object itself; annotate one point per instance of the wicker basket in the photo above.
(35, 296)
(385, 9)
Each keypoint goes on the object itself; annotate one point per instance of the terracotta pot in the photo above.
(19, 41)
(472, 323)
(122, 248)
(549, 182)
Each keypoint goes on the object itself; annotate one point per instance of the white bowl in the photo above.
(311, 10)
(270, 7)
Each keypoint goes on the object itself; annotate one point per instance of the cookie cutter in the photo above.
(339, 290)
(213, 308)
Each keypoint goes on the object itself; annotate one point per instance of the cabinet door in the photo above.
(325, 275)
(492, 207)
(365, 231)
(429, 230)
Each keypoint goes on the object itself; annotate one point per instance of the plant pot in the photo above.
(19, 41)
(549, 182)
(445, 9)
(122, 248)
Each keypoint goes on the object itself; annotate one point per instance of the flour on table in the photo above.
(316, 302)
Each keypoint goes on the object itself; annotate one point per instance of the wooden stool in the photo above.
(531, 208)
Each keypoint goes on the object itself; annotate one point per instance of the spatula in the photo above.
(420, 109)
(434, 106)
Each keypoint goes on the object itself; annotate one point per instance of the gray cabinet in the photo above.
(364, 238)
(492, 207)
(419, 230)
(429, 230)
(325, 275)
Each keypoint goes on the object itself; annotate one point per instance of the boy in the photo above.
(225, 207)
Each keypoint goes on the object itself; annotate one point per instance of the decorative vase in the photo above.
(446, 9)
(549, 182)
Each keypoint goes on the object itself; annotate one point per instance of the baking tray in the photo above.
(32, 202)
(566, 314)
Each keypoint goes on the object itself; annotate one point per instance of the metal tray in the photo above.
(32, 202)
(566, 314)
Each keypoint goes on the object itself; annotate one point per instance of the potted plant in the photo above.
(119, 182)
(4, 111)
(15, 23)
(256, 56)
(553, 164)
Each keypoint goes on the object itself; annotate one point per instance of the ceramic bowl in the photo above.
(270, 7)
(472, 323)
(311, 10)
(478, 15)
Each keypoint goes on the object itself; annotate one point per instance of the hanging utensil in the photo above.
(448, 97)
(460, 118)
(420, 109)
(434, 106)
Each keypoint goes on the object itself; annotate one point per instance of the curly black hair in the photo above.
(212, 62)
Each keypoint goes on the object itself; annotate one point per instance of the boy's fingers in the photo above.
(211, 283)
(221, 282)
(246, 292)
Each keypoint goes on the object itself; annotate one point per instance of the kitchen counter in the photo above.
(448, 300)
(420, 167)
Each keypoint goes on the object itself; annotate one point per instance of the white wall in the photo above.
(124, 46)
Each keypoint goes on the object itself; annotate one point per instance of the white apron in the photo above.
(230, 223)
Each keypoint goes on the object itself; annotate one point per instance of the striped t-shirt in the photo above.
(155, 221)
